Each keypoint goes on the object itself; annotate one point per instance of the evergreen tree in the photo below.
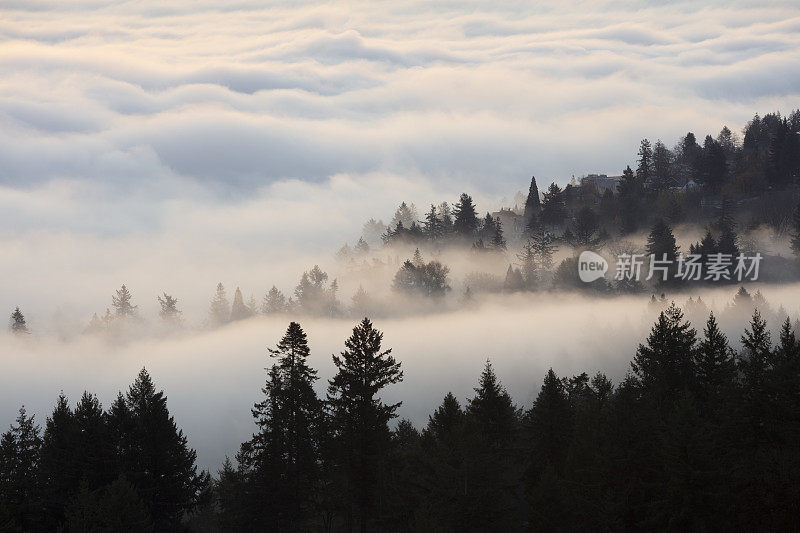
(116, 507)
(664, 366)
(287, 443)
(93, 451)
(446, 420)
(630, 191)
(405, 214)
(727, 242)
(644, 171)
(714, 361)
(220, 311)
(690, 151)
(754, 364)
(362, 303)
(547, 424)
(19, 459)
(547, 434)
(57, 471)
(585, 229)
(239, 310)
(713, 165)
(708, 245)
(533, 204)
(661, 241)
(514, 281)
(497, 241)
(527, 265)
(445, 215)
(492, 410)
(444, 476)
(361, 247)
(417, 259)
(553, 209)
(544, 247)
(423, 279)
(433, 226)
(121, 303)
(169, 310)
(359, 418)
(465, 222)
(491, 420)
(662, 165)
(661, 246)
(310, 293)
(154, 454)
(274, 302)
(232, 498)
(17, 324)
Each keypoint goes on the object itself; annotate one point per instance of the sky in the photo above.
(240, 95)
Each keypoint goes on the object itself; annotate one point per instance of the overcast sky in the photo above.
(483, 93)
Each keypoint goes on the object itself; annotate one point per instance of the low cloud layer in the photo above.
(212, 378)
(244, 95)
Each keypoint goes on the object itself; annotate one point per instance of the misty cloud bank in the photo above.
(212, 378)
(138, 94)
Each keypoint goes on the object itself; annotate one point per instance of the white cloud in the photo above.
(245, 94)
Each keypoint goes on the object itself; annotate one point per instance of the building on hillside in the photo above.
(602, 183)
(513, 223)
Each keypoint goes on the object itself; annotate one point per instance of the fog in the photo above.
(212, 378)
(68, 247)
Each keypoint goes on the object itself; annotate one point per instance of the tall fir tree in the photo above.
(754, 366)
(122, 303)
(154, 454)
(630, 192)
(553, 209)
(290, 422)
(664, 366)
(58, 472)
(169, 313)
(491, 428)
(533, 205)
(661, 246)
(644, 170)
(465, 222)
(359, 418)
(274, 302)
(433, 226)
(20, 448)
(239, 310)
(714, 361)
(662, 165)
(220, 312)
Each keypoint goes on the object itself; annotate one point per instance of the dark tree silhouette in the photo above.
(359, 418)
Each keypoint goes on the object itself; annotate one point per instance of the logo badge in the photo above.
(591, 266)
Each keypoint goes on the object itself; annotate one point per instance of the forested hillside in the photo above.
(695, 437)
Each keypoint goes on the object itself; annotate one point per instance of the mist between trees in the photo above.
(695, 434)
